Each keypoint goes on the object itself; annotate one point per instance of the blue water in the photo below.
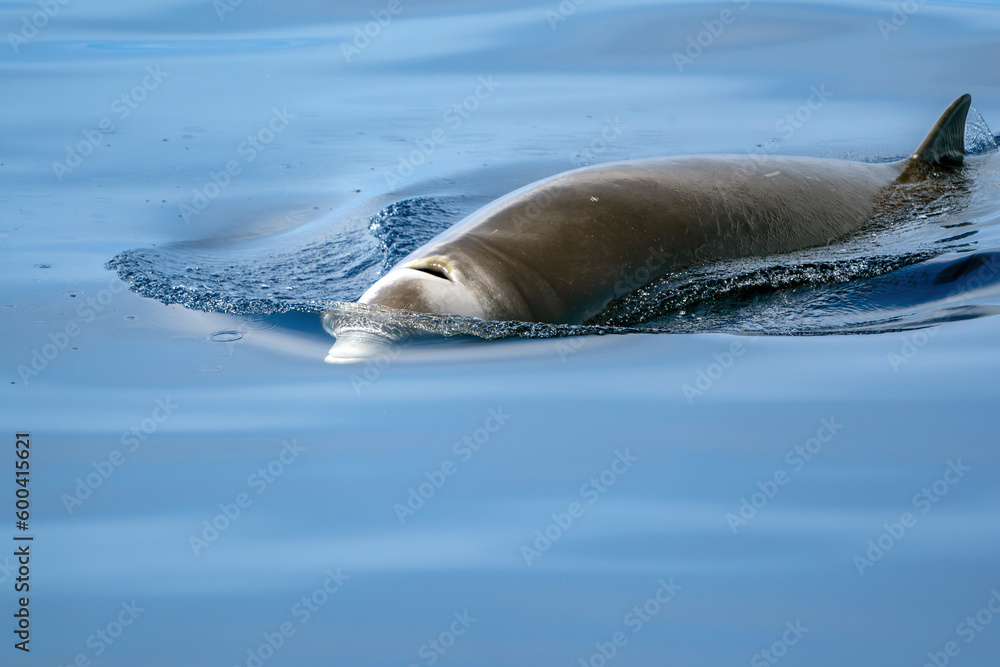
(714, 497)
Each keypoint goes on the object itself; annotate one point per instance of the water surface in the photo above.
(831, 499)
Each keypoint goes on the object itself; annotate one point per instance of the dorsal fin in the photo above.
(945, 143)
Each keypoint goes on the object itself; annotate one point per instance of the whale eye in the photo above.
(433, 270)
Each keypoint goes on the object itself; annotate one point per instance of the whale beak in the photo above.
(355, 346)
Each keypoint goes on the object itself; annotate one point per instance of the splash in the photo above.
(978, 137)
(893, 275)
(291, 270)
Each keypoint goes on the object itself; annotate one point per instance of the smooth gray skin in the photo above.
(561, 249)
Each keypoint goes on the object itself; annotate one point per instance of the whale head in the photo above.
(426, 285)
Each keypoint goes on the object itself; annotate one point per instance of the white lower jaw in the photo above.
(353, 346)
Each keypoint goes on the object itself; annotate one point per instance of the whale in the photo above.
(560, 250)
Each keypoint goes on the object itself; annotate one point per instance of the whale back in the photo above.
(572, 243)
(561, 249)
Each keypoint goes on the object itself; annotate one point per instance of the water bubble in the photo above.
(225, 336)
